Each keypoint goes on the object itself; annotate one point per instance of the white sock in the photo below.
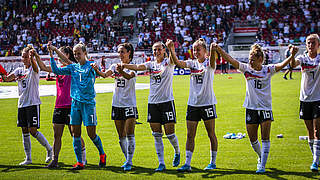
(311, 141)
(27, 145)
(174, 142)
(159, 146)
(316, 151)
(265, 152)
(256, 147)
(188, 157)
(43, 141)
(84, 155)
(131, 148)
(213, 157)
(123, 146)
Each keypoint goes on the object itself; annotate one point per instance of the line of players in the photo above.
(76, 99)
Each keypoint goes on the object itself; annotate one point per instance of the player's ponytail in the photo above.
(27, 49)
(68, 51)
(200, 42)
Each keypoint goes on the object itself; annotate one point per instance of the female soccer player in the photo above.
(29, 103)
(61, 114)
(124, 108)
(310, 94)
(161, 108)
(201, 103)
(83, 107)
(289, 70)
(258, 97)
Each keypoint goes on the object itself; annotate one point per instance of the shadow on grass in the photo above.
(273, 173)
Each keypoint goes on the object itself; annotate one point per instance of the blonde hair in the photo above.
(256, 50)
(314, 36)
(27, 49)
(82, 46)
(200, 42)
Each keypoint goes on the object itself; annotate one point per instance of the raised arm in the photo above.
(213, 56)
(135, 67)
(293, 52)
(100, 73)
(124, 74)
(294, 63)
(32, 61)
(41, 64)
(59, 71)
(173, 56)
(62, 56)
(225, 55)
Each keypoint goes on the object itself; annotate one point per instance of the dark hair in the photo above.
(163, 46)
(68, 51)
(128, 47)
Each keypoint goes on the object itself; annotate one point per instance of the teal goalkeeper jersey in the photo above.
(82, 80)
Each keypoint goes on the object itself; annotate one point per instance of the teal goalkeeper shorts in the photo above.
(83, 112)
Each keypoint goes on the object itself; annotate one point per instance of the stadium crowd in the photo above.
(68, 22)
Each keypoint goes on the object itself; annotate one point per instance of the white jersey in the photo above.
(258, 86)
(28, 87)
(124, 94)
(201, 83)
(161, 76)
(310, 81)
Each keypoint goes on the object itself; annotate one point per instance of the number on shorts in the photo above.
(129, 112)
(121, 82)
(199, 79)
(92, 118)
(34, 121)
(157, 78)
(209, 112)
(257, 84)
(266, 114)
(170, 116)
(24, 83)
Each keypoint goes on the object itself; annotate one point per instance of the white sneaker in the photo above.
(49, 156)
(25, 162)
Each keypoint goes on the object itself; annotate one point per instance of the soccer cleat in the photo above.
(127, 167)
(124, 164)
(259, 164)
(102, 162)
(49, 156)
(314, 167)
(261, 170)
(176, 160)
(284, 77)
(53, 164)
(25, 162)
(210, 167)
(77, 166)
(161, 168)
(184, 168)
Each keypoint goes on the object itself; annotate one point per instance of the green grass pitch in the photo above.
(289, 157)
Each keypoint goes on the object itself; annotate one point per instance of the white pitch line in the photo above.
(7, 92)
